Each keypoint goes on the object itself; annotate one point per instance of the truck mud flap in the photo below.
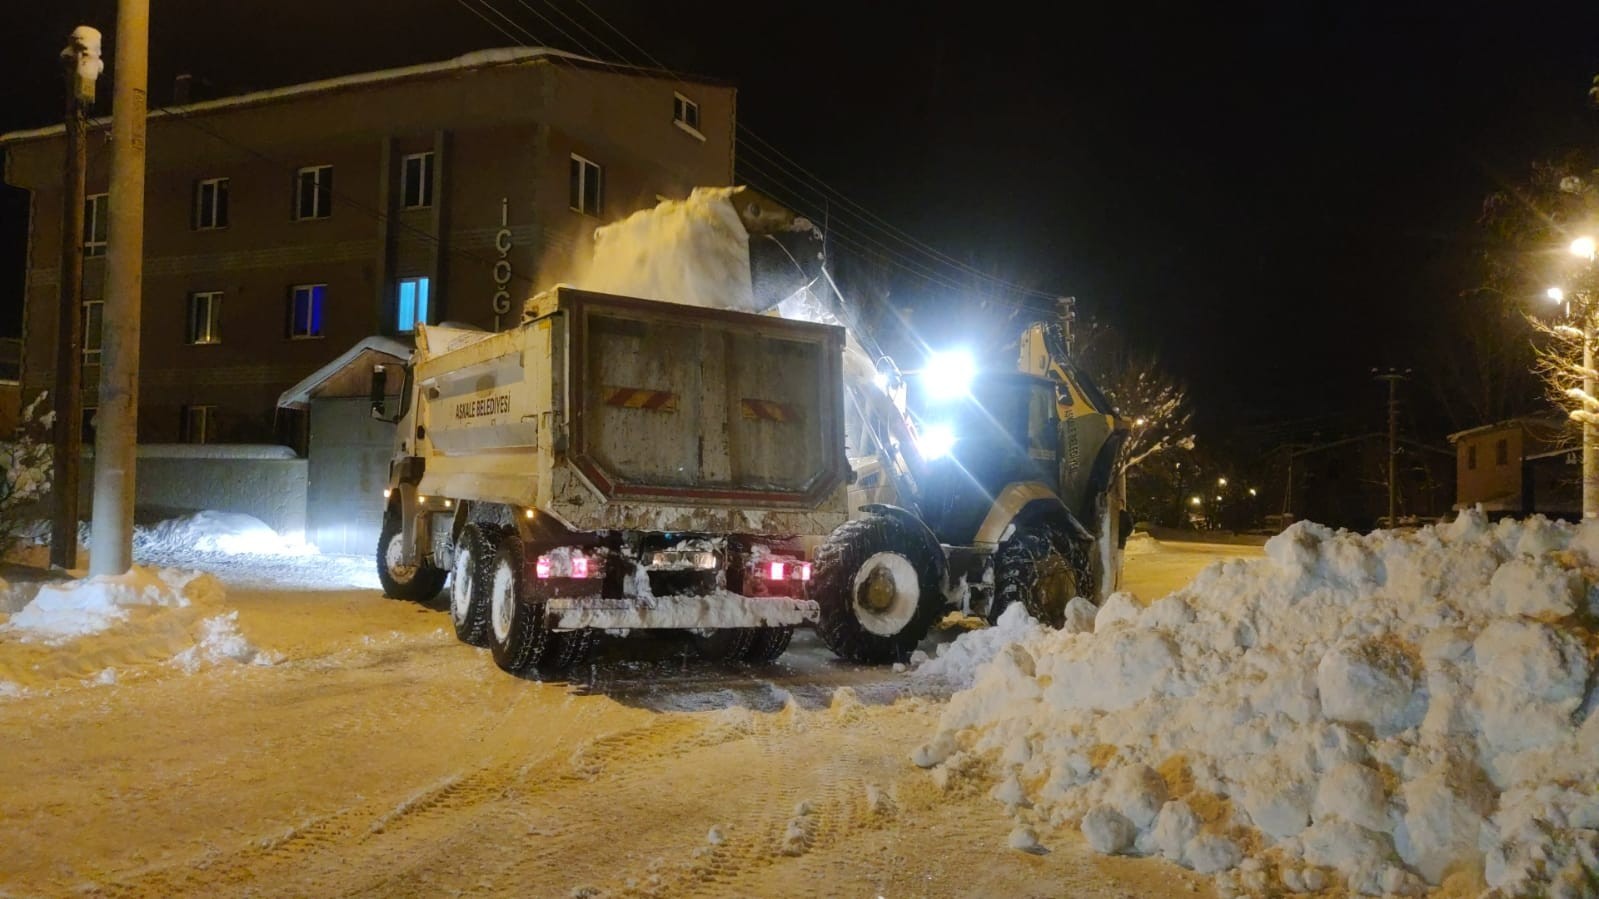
(718, 610)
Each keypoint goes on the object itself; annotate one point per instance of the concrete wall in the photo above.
(173, 481)
(348, 469)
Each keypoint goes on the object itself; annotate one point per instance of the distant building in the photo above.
(1519, 467)
(10, 385)
(281, 227)
(1344, 483)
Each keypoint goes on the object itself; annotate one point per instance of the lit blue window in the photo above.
(306, 304)
(413, 305)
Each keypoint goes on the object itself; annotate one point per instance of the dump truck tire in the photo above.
(1043, 570)
(728, 644)
(469, 584)
(418, 583)
(519, 639)
(877, 586)
(767, 644)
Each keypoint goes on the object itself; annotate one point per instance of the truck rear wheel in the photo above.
(768, 644)
(519, 639)
(470, 578)
(1043, 571)
(419, 582)
(877, 587)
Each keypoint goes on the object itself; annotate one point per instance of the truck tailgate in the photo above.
(699, 405)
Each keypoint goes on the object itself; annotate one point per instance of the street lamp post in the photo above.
(1585, 248)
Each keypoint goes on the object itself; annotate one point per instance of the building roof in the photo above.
(1523, 421)
(370, 351)
(481, 59)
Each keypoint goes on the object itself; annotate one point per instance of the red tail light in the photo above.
(580, 566)
(805, 571)
(775, 571)
(543, 567)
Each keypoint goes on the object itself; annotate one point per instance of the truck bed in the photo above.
(617, 413)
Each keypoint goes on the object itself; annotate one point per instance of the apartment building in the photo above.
(281, 227)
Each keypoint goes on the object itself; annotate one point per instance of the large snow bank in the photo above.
(1391, 710)
(230, 533)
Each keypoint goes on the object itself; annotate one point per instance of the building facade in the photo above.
(1519, 467)
(282, 227)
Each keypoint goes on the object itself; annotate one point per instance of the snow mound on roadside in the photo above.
(1383, 711)
(75, 630)
(229, 533)
(63, 611)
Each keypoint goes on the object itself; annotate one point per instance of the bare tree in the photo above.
(1144, 394)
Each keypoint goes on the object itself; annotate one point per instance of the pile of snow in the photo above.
(229, 533)
(693, 251)
(1387, 711)
(62, 611)
(80, 629)
(1142, 543)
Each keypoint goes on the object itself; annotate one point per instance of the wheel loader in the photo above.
(973, 489)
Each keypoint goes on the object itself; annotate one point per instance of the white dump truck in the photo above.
(615, 464)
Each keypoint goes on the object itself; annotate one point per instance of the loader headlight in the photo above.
(936, 442)
(948, 374)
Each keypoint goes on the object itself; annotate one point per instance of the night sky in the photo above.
(1277, 197)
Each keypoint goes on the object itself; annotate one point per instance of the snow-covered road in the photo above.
(378, 756)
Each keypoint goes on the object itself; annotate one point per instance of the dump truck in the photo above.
(615, 464)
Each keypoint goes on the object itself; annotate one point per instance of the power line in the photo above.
(882, 224)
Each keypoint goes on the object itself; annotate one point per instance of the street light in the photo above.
(1251, 491)
(1194, 500)
(1555, 295)
(1584, 247)
(1221, 482)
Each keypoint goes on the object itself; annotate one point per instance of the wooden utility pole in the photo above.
(1393, 377)
(80, 63)
(115, 450)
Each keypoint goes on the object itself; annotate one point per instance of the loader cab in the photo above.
(1004, 430)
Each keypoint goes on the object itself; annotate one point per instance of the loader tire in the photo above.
(418, 583)
(470, 578)
(519, 639)
(877, 586)
(1043, 570)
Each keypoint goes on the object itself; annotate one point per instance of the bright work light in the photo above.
(948, 374)
(936, 442)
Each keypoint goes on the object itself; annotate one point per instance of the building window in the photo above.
(96, 211)
(197, 423)
(313, 192)
(205, 317)
(418, 181)
(305, 310)
(86, 424)
(93, 317)
(1471, 457)
(686, 113)
(1502, 452)
(211, 204)
(411, 306)
(584, 186)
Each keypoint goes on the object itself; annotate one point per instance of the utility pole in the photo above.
(1393, 376)
(1590, 432)
(80, 63)
(115, 451)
